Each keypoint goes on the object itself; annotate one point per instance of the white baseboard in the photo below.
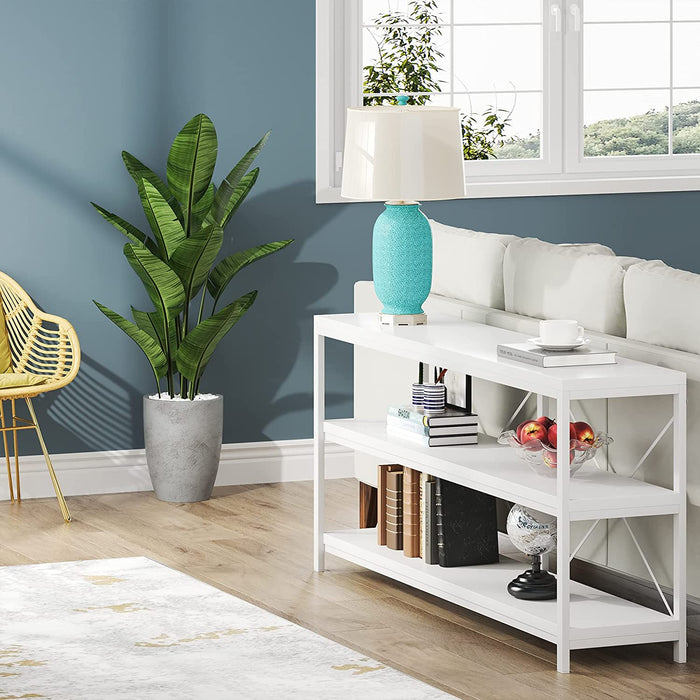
(121, 471)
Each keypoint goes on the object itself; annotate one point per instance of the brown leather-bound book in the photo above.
(382, 471)
(411, 512)
(394, 510)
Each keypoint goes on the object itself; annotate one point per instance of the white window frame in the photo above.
(562, 170)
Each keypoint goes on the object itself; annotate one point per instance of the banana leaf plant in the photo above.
(178, 265)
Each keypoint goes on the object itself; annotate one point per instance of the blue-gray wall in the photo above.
(83, 79)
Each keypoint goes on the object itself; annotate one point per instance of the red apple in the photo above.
(552, 434)
(584, 432)
(550, 458)
(547, 422)
(531, 430)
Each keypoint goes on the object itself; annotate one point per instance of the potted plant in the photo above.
(178, 267)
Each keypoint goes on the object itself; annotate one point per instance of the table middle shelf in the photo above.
(498, 470)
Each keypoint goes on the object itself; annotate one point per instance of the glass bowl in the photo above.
(542, 458)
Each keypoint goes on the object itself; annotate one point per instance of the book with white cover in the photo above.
(414, 427)
(530, 354)
(432, 441)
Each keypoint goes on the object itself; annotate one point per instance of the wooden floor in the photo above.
(255, 542)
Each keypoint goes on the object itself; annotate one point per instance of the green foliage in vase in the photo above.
(177, 263)
(408, 61)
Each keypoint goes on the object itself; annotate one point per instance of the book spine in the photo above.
(439, 524)
(411, 514)
(430, 549)
(406, 414)
(453, 440)
(394, 510)
(518, 356)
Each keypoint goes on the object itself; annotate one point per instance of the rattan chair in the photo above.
(39, 344)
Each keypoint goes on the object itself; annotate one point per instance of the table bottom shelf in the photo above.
(597, 619)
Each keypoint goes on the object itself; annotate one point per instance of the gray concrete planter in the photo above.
(183, 446)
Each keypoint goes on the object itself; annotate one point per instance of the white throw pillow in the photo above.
(468, 265)
(576, 281)
(661, 303)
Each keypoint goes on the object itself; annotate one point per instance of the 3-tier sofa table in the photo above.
(581, 616)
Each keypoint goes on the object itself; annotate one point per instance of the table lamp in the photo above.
(403, 154)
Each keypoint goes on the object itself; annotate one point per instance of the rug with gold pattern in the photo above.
(132, 628)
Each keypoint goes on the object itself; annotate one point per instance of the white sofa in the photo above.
(642, 309)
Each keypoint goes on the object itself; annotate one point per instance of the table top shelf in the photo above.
(498, 470)
(469, 347)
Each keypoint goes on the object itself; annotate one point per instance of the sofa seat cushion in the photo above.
(661, 303)
(468, 265)
(577, 281)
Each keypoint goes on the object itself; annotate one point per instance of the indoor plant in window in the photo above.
(178, 267)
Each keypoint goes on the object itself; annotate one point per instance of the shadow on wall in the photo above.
(97, 411)
(276, 335)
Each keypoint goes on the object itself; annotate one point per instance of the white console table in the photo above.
(581, 616)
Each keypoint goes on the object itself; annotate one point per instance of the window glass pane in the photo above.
(686, 54)
(386, 53)
(522, 114)
(686, 9)
(498, 58)
(686, 121)
(625, 10)
(625, 123)
(371, 9)
(626, 56)
(503, 11)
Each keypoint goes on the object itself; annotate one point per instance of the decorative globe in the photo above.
(531, 531)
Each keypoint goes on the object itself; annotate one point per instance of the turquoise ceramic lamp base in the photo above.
(402, 263)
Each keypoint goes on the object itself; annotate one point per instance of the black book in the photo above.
(467, 531)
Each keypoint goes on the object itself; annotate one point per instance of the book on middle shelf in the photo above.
(453, 426)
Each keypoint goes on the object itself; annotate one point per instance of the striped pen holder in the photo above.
(434, 398)
(417, 395)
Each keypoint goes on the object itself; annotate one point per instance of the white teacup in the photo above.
(560, 332)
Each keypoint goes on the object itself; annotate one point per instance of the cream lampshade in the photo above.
(403, 154)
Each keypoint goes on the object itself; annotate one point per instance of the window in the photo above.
(557, 96)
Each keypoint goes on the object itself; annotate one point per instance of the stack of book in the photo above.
(531, 354)
(453, 426)
(439, 521)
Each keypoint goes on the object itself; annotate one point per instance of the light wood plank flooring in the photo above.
(255, 542)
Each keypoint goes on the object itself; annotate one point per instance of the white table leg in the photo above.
(679, 525)
(563, 536)
(319, 456)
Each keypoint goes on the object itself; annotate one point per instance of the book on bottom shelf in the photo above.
(411, 512)
(382, 471)
(429, 542)
(394, 510)
(467, 531)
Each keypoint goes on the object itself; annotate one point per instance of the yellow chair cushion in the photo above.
(5, 356)
(12, 379)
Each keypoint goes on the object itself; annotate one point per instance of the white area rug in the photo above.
(132, 628)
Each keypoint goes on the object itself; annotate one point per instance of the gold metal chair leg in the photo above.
(57, 488)
(14, 436)
(7, 451)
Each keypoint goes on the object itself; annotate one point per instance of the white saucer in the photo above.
(571, 346)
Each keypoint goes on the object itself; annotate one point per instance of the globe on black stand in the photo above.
(534, 584)
(534, 534)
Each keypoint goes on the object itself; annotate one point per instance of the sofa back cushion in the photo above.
(582, 282)
(661, 305)
(468, 265)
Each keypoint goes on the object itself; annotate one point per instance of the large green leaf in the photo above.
(162, 284)
(191, 162)
(149, 346)
(239, 194)
(139, 171)
(199, 344)
(194, 257)
(202, 208)
(231, 181)
(163, 220)
(224, 272)
(131, 232)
